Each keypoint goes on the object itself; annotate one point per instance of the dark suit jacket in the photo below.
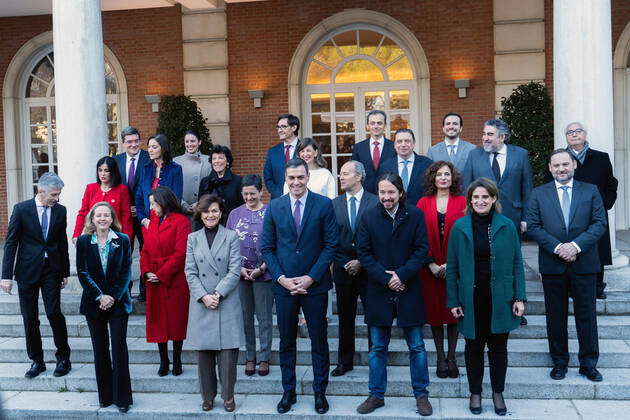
(115, 282)
(415, 189)
(361, 152)
(228, 188)
(25, 238)
(587, 223)
(121, 160)
(274, 170)
(347, 249)
(171, 176)
(401, 246)
(516, 182)
(309, 253)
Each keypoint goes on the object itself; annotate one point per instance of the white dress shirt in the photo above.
(401, 165)
(380, 141)
(292, 147)
(449, 144)
(40, 212)
(560, 193)
(302, 201)
(128, 163)
(358, 197)
(501, 158)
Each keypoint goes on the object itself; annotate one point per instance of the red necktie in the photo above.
(286, 153)
(376, 155)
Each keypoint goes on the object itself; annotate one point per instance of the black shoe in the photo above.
(499, 404)
(104, 405)
(288, 399)
(123, 408)
(177, 368)
(558, 372)
(441, 370)
(163, 370)
(523, 320)
(321, 403)
(35, 370)
(591, 374)
(341, 370)
(63, 368)
(601, 294)
(475, 409)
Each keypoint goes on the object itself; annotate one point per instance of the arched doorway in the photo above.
(621, 91)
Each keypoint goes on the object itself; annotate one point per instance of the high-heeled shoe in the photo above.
(163, 370)
(475, 409)
(453, 371)
(442, 369)
(500, 408)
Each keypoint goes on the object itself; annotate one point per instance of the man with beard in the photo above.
(567, 217)
(452, 149)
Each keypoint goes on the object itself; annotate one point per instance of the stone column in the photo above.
(79, 97)
(582, 79)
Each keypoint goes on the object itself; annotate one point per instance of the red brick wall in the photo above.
(262, 37)
(148, 44)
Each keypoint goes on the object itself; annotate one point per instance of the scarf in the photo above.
(581, 155)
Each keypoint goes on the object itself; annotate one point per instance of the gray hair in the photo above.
(49, 181)
(577, 123)
(129, 131)
(501, 127)
(358, 168)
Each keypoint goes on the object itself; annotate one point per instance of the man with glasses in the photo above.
(129, 163)
(595, 168)
(288, 126)
(375, 149)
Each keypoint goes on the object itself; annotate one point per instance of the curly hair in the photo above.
(431, 172)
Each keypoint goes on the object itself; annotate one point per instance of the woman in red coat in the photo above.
(108, 187)
(162, 267)
(442, 206)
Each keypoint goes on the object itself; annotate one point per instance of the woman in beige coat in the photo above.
(215, 317)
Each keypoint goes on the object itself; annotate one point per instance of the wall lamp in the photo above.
(154, 100)
(462, 85)
(257, 96)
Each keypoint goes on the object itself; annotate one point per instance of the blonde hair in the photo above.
(90, 227)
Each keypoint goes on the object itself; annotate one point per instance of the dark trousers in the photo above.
(497, 361)
(600, 280)
(582, 288)
(137, 233)
(112, 371)
(347, 295)
(50, 284)
(314, 308)
(207, 370)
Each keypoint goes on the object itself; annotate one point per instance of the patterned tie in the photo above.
(45, 223)
(405, 175)
(566, 205)
(376, 155)
(131, 178)
(297, 217)
(353, 212)
(286, 153)
(496, 170)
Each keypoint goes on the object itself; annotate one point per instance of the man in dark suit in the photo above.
(288, 127)
(349, 277)
(566, 217)
(595, 168)
(375, 150)
(129, 164)
(452, 149)
(409, 165)
(37, 233)
(298, 244)
(392, 247)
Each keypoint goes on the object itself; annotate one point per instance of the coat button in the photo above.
(203, 275)
(195, 178)
(218, 259)
(216, 274)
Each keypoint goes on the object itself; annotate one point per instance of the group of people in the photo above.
(421, 240)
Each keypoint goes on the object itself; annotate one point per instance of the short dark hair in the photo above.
(291, 120)
(167, 157)
(396, 180)
(166, 199)
(453, 114)
(405, 130)
(204, 204)
(191, 132)
(431, 172)
(220, 149)
(295, 163)
(128, 131)
(309, 141)
(558, 151)
(490, 186)
(376, 112)
(112, 166)
(252, 181)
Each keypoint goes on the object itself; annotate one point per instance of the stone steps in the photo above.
(608, 327)
(522, 352)
(66, 405)
(521, 382)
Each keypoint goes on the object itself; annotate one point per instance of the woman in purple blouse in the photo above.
(255, 284)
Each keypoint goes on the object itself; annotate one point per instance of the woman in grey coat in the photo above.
(195, 167)
(215, 317)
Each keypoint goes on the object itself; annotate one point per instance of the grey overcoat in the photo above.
(208, 270)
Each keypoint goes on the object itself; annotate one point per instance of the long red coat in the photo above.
(119, 199)
(434, 289)
(164, 254)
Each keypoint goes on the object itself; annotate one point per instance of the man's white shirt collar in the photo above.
(358, 196)
(568, 184)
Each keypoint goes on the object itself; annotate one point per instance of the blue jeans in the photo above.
(378, 360)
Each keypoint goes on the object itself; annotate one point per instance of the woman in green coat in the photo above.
(485, 287)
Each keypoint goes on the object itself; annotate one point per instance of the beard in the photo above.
(490, 148)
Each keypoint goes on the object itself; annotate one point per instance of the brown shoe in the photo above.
(250, 367)
(424, 406)
(207, 405)
(229, 405)
(369, 405)
(263, 368)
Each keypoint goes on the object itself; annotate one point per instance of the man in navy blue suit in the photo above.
(567, 217)
(298, 244)
(375, 150)
(409, 165)
(288, 126)
(129, 164)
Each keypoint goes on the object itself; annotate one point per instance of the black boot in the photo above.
(177, 357)
(164, 362)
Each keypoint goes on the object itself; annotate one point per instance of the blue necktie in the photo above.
(566, 205)
(405, 175)
(297, 217)
(451, 148)
(353, 212)
(45, 223)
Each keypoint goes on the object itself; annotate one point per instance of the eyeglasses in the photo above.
(132, 141)
(282, 127)
(572, 132)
